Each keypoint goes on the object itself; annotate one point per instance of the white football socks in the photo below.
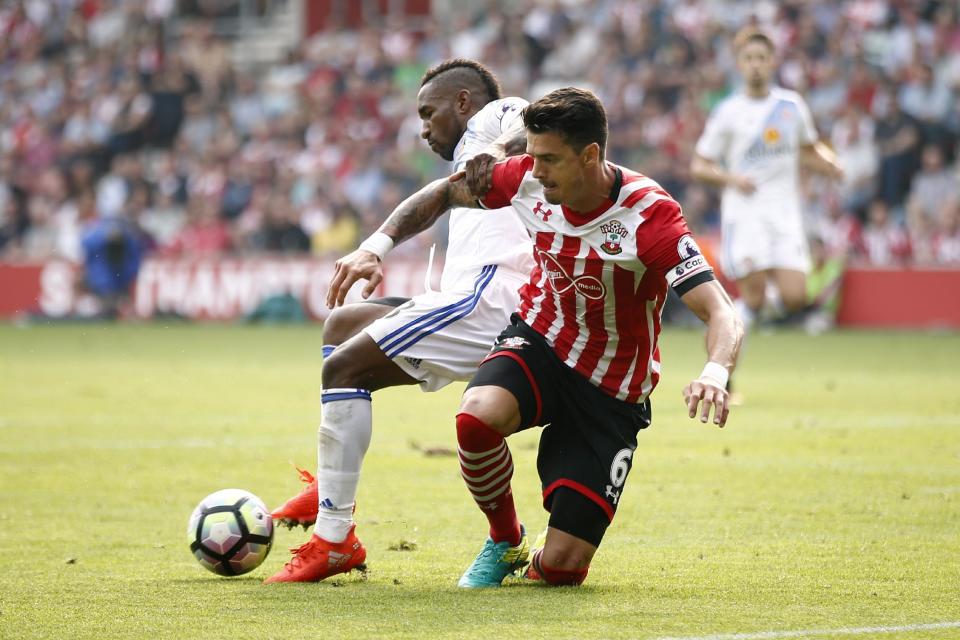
(343, 439)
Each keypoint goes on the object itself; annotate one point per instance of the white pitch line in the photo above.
(848, 631)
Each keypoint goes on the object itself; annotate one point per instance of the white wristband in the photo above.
(717, 373)
(378, 244)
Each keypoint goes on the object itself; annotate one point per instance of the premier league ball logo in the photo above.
(613, 234)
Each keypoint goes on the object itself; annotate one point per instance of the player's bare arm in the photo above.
(724, 336)
(821, 158)
(711, 172)
(415, 214)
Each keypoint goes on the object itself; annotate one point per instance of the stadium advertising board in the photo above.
(224, 289)
(230, 288)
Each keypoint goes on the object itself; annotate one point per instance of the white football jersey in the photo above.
(476, 238)
(761, 138)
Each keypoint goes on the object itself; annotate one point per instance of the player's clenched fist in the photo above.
(704, 393)
(358, 265)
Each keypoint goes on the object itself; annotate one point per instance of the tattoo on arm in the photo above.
(418, 212)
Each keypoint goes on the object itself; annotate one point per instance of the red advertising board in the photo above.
(229, 288)
(901, 298)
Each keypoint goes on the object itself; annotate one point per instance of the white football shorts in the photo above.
(438, 337)
(752, 243)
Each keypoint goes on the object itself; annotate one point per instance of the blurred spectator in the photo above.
(206, 56)
(885, 242)
(897, 137)
(169, 91)
(280, 230)
(839, 231)
(248, 106)
(853, 140)
(947, 235)
(134, 109)
(823, 287)
(932, 187)
(112, 252)
(205, 233)
(339, 234)
(927, 99)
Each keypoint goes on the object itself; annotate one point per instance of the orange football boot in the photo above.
(302, 508)
(319, 559)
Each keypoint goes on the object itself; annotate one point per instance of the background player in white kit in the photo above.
(752, 146)
(430, 340)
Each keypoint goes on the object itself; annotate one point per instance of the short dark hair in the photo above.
(752, 34)
(457, 66)
(576, 114)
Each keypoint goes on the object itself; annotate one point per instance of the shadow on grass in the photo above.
(218, 580)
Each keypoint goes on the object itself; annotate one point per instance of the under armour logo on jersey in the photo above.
(561, 281)
(543, 213)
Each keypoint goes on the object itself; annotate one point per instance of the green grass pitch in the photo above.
(831, 500)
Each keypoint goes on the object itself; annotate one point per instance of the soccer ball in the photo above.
(230, 532)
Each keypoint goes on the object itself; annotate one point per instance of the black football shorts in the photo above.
(588, 438)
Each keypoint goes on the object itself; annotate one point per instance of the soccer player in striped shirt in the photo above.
(580, 355)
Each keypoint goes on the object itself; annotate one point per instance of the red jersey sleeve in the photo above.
(665, 244)
(507, 176)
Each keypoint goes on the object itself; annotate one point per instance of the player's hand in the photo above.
(744, 185)
(358, 265)
(479, 170)
(708, 392)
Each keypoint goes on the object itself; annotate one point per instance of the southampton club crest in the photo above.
(613, 234)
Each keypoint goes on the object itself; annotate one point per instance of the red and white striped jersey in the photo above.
(598, 288)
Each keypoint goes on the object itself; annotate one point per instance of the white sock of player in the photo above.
(343, 439)
(774, 301)
(746, 313)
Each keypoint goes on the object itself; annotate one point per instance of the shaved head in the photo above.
(460, 73)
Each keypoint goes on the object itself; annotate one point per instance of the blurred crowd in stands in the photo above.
(125, 126)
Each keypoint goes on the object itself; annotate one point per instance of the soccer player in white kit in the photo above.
(753, 145)
(432, 339)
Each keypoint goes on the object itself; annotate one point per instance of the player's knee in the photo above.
(793, 302)
(485, 405)
(344, 368)
(558, 568)
(754, 300)
(341, 325)
(563, 557)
